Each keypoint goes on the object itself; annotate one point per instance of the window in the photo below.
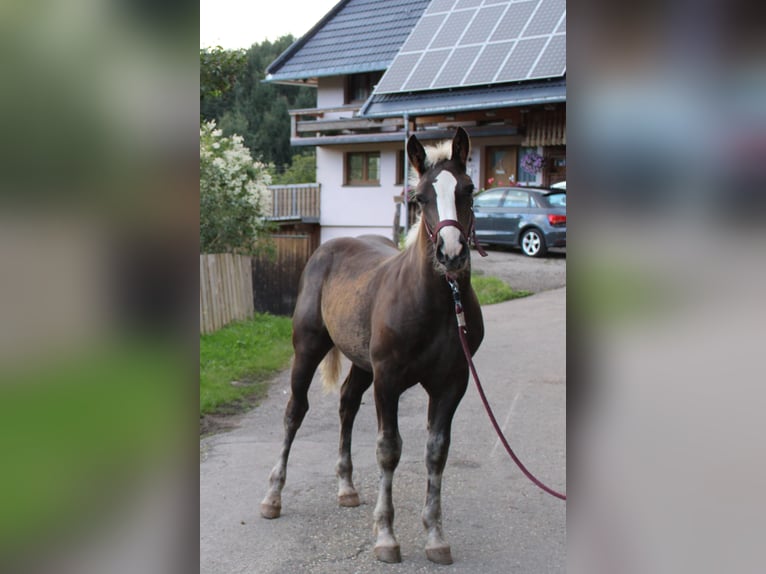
(360, 86)
(517, 198)
(363, 168)
(557, 199)
(489, 198)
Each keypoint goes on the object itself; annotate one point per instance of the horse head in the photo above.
(444, 192)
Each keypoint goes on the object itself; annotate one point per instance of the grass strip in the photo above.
(492, 290)
(237, 359)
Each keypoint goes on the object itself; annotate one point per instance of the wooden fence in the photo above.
(276, 278)
(226, 290)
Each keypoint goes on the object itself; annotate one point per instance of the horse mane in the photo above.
(412, 234)
(434, 154)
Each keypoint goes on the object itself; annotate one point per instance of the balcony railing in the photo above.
(341, 121)
(296, 202)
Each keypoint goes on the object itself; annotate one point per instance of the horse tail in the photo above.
(329, 370)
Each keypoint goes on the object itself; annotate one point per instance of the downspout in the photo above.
(406, 174)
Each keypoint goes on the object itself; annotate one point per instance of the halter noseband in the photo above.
(469, 237)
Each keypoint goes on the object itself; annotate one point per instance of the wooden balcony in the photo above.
(342, 125)
(296, 202)
(306, 125)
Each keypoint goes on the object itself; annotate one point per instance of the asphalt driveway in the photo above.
(522, 272)
(494, 518)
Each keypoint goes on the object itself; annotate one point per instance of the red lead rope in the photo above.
(462, 331)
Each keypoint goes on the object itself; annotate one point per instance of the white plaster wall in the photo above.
(348, 211)
(333, 232)
(331, 93)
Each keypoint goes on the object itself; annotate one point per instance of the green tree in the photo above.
(219, 72)
(302, 170)
(233, 194)
(272, 139)
(240, 102)
(234, 122)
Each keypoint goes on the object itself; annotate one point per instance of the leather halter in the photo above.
(469, 237)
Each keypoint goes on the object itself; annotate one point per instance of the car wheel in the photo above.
(533, 243)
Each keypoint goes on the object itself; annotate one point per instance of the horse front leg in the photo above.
(389, 451)
(441, 410)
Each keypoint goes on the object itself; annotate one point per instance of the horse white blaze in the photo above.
(445, 184)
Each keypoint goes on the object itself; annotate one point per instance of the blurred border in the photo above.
(99, 181)
(666, 174)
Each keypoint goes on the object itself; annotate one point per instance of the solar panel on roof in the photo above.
(454, 69)
(431, 60)
(459, 43)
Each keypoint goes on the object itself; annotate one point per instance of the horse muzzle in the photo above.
(451, 252)
(452, 262)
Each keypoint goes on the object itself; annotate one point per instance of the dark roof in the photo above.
(355, 36)
(465, 99)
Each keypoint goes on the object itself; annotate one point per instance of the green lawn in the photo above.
(491, 290)
(247, 353)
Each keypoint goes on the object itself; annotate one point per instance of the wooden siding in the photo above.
(546, 128)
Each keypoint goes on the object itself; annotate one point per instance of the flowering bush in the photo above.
(233, 193)
(532, 163)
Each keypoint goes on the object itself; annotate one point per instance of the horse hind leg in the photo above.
(356, 383)
(307, 358)
(389, 452)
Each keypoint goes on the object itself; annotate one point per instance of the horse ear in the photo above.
(461, 146)
(417, 154)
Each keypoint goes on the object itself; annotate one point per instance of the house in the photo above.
(385, 69)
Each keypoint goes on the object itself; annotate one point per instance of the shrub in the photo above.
(233, 193)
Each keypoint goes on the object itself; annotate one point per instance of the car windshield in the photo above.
(557, 199)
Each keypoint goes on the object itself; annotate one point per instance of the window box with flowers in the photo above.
(532, 163)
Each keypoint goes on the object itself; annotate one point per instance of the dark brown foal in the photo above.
(392, 315)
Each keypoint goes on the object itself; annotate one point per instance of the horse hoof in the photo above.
(349, 500)
(389, 554)
(270, 510)
(439, 554)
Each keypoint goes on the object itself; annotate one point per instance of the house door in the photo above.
(500, 169)
(556, 163)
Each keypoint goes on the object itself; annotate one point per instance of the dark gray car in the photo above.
(530, 218)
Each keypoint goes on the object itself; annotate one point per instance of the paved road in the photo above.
(495, 520)
(522, 272)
